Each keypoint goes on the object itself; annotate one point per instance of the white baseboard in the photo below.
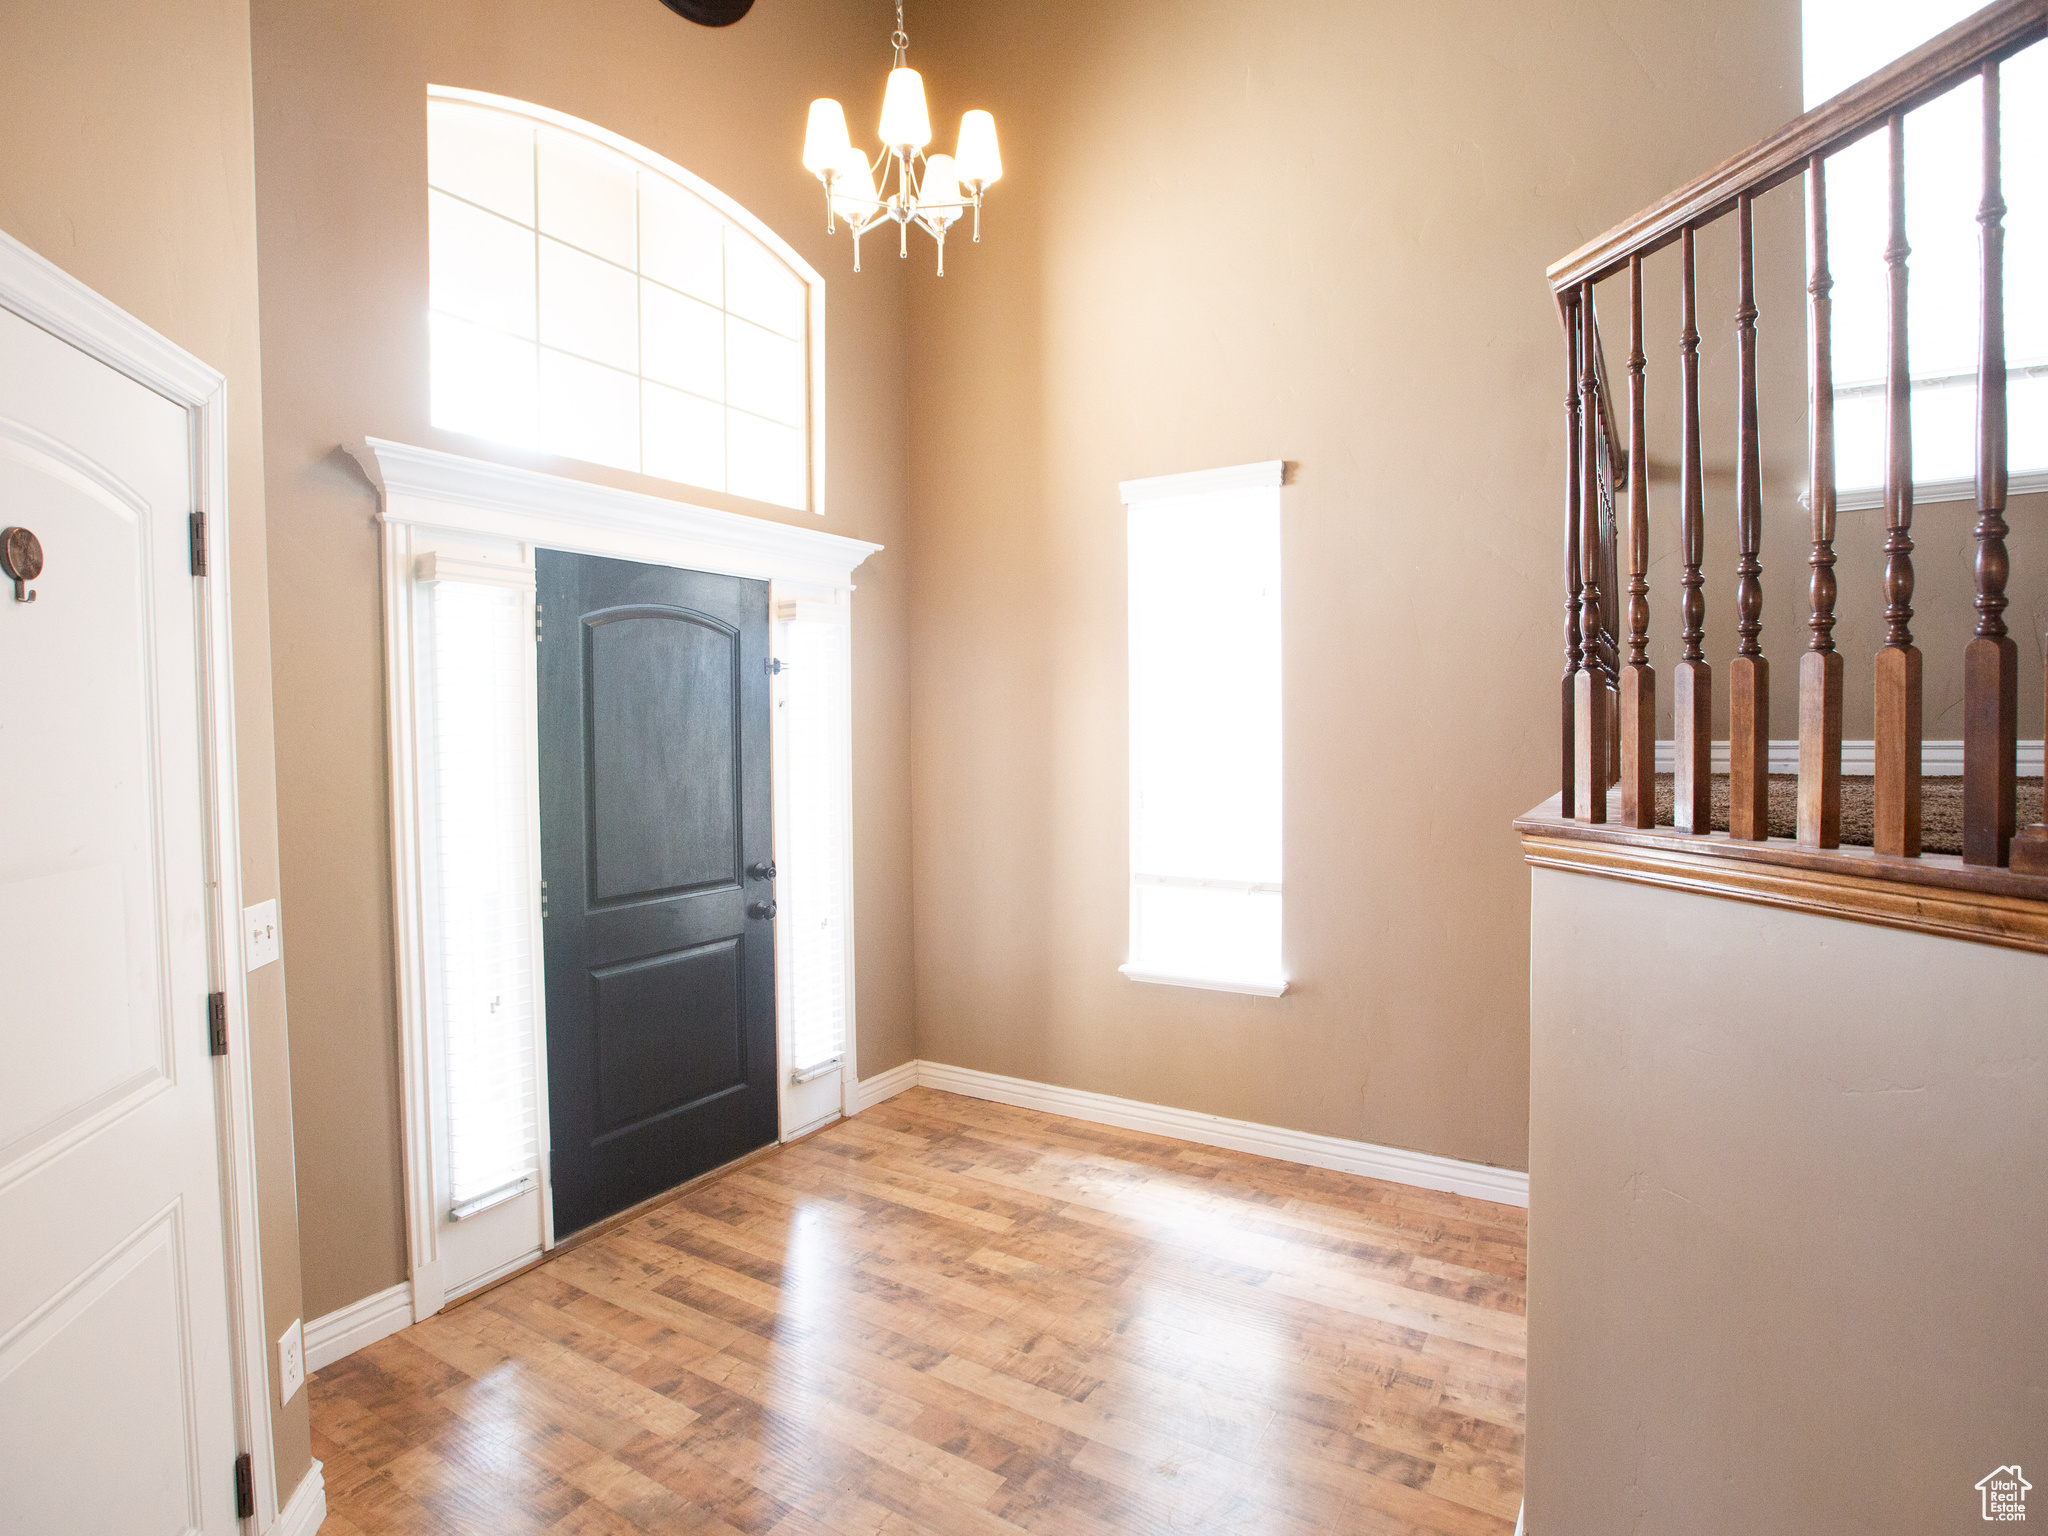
(1423, 1170)
(870, 1091)
(342, 1332)
(1938, 759)
(307, 1507)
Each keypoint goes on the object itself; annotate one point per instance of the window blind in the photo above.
(1205, 736)
(812, 870)
(482, 882)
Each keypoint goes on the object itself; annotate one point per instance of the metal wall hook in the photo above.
(21, 557)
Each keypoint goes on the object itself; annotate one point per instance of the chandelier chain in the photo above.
(900, 38)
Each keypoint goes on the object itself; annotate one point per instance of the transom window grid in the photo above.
(1844, 41)
(587, 302)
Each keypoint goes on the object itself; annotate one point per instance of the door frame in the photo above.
(47, 296)
(442, 513)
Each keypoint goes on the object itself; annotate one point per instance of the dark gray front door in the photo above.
(654, 793)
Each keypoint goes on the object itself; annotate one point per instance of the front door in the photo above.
(116, 1392)
(658, 901)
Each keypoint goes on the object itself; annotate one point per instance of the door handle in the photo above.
(761, 870)
(761, 909)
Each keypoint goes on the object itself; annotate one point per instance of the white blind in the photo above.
(812, 868)
(483, 884)
(1205, 735)
(1846, 40)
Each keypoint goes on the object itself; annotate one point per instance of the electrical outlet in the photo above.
(291, 1363)
(259, 925)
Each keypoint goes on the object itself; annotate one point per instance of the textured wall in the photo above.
(341, 194)
(128, 164)
(1787, 1229)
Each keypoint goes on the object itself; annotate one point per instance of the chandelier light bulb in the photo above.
(906, 125)
(978, 157)
(938, 195)
(853, 189)
(825, 142)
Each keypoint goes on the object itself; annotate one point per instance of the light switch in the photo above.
(291, 1363)
(259, 925)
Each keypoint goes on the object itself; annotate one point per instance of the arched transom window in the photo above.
(595, 300)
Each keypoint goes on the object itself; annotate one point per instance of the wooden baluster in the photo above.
(1638, 698)
(1897, 828)
(1567, 801)
(1692, 682)
(1991, 661)
(1749, 675)
(1590, 704)
(1820, 669)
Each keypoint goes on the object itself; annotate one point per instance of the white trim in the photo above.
(46, 295)
(1394, 1165)
(661, 165)
(1208, 983)
(357, 1326)
(1940, 759)
(441, 513)
(1927, 493)
(883, 1085)
(1205, 482)
(303, 1515)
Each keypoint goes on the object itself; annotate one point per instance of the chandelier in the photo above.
(902, 185)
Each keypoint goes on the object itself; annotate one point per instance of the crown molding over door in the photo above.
(444, 516)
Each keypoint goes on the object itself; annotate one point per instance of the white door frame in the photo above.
(466, 512)
(47, 296)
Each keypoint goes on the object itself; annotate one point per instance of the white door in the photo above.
(116, 1388)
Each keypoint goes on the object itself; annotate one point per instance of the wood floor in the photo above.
(953, 1316)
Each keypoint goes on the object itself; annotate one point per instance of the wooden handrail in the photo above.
(1996, 32)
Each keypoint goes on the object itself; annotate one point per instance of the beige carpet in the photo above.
(1941, 808)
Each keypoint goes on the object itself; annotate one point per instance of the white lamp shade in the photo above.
(905, 121)
(938, 194)
(825, 141)
(853, 190)
(978, 158)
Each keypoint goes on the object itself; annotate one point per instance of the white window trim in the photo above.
(477, 517)
(813, 280)
(1194, 485)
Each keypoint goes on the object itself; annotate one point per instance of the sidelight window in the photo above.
(591, 299)
(1204, 598)
(1845, 40)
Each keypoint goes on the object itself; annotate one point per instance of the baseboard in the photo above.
(870, 1091)
(1938, 759)
(307, 1507)
(1396, 1165)
(357, 1326)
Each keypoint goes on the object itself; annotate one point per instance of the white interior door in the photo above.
(116, 1392)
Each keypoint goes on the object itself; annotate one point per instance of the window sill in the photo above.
(1207, 983)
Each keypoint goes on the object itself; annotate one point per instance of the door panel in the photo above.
(654, 774)
(116, 1392)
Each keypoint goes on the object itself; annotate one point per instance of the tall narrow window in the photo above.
(479, 763)
(1205, 729)
(1845, 40)
(813, 881)
(595, 300)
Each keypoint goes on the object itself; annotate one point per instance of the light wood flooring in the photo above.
(952, 1316)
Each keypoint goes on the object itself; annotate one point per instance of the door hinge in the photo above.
(773, 665)
(543, 900)
(217, 1023)
(245, 1487)
(198, 522)
(536, 623)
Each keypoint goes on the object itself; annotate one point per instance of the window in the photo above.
(1205, 729)
(813, 881)
(594, 300)
(1845, 40)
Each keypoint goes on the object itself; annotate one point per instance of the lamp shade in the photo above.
(825, 141)
(905, 121)
(853, 189)
(938, 195)
(978, 157)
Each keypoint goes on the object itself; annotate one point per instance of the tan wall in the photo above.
(1787, 1233)
(341, 179)
(128, 164)
(1316, 233)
